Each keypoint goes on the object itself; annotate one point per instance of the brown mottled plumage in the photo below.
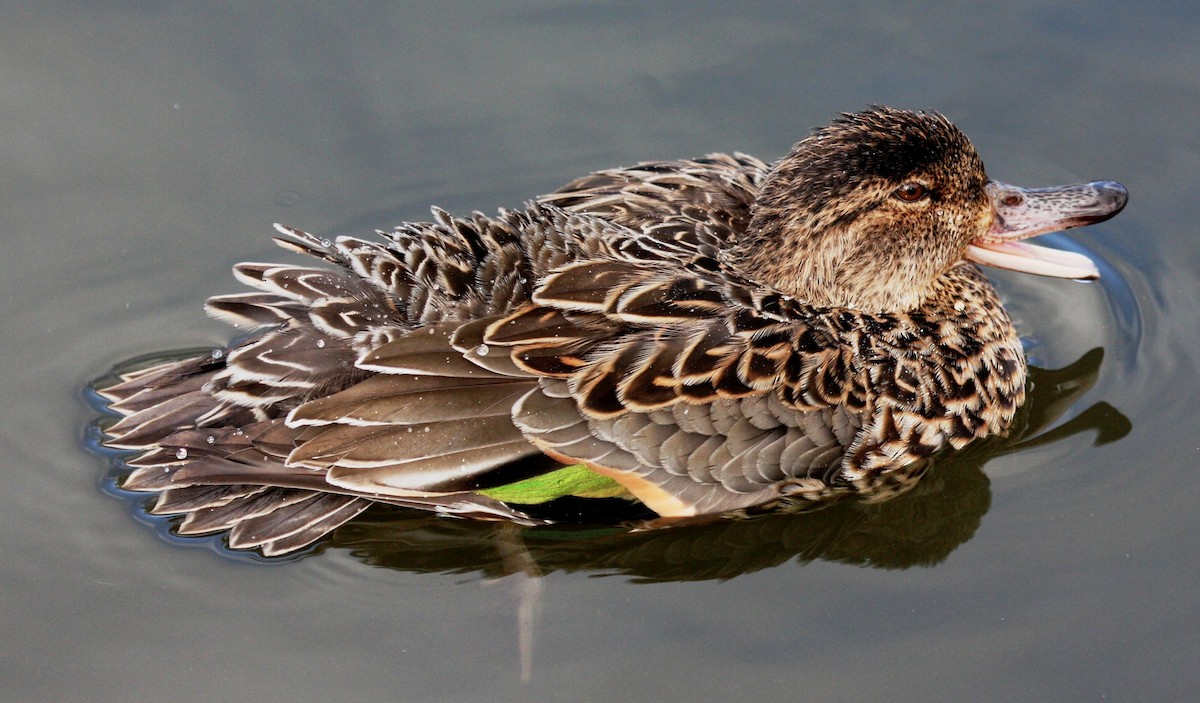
(715, 335)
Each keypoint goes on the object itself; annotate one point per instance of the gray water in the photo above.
(148, 146)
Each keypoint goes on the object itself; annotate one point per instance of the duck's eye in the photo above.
(911, 192)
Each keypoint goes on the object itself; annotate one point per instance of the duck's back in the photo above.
(700, 203)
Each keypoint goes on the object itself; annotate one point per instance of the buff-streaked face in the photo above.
(871, 210)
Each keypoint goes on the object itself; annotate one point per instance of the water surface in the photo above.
(148, 147)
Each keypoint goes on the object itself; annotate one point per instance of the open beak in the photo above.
(1020, 213)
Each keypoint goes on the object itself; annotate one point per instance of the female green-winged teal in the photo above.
(703, 336)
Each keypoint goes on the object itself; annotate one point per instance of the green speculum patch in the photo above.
(576, 480)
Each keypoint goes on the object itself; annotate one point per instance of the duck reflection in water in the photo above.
(695, 340)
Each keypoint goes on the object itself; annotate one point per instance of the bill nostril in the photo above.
(1012, 200)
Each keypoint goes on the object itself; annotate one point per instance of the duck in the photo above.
(674, 340)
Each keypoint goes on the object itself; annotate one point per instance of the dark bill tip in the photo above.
(1112, 195)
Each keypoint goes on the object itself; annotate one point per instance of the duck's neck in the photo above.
(822, 264)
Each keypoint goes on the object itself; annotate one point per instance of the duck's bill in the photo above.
(1020, 213)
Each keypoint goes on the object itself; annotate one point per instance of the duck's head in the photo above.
(869, 212)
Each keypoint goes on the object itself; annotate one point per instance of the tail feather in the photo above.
(202, 499)
(148, 427)
(296, 530)
(293, 517)
(150, 386)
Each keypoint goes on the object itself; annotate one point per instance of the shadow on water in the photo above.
(919, 527)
